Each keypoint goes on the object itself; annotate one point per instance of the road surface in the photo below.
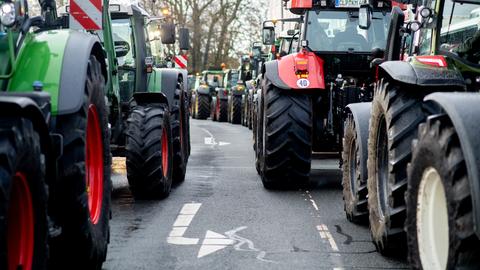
(221, 217)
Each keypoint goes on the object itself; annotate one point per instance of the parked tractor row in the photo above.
(396, 98)
(73, 92)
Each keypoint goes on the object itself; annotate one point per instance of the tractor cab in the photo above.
(136, 37)
(212, 79)
(332, 31)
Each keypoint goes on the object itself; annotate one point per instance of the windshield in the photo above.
(337, 31)
(122, 32)
(215, 80)
(234, 78)
(459, 25)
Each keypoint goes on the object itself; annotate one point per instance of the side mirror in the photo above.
(184, 43)
(268, 35)
(394, 42)
(121, 48)
(364, 16)
(290, 32)
(168, 33)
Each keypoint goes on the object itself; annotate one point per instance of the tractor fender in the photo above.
(59, 60)
(203, 90)
(463, 111)
(165, 81)
(150, 97)
(282, 75)
(222, 93)
(420, 74)
(75, 62)
(24, 106)
(361, 115)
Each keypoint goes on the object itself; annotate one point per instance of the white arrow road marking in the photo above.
(223, 143)
(180, 226)
(213, 242)
(211, 140)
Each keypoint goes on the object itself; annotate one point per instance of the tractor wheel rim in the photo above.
(21, 222)
(432, 221)
(353, 167)
(382, 167)
(164, 153)
(94, 164)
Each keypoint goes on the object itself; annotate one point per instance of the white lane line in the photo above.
(314, 204)
(325, 234)
(180, 226)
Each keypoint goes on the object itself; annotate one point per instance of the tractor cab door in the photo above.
(140, 49)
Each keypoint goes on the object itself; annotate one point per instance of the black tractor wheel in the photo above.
(23, 197)
(221, 110)
(354, 186)
(149, 151)
(193, 106)
(81, 199)
(258, 135)
(202, 106)
(440, 226)
(236, 109)
(179, 133)
(287, 131)
(396, 114)
(213, 106)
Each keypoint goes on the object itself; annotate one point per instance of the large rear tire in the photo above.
(354, 187)
(236, 110)
(396, 113)
(258, 135)
(202, 107)
(221, 111)
(287, 132)
(440, 226)
(23, 197)
(149, 151)
(179, 133)
(81, 199)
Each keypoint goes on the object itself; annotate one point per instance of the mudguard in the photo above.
(282, 72)
(415, 73)
(203, 90)
(361, 115)
(59, 60)
(222, 93)
(25, 106)
(464, 112)
(165, 80)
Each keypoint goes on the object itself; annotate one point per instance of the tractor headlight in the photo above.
(7, 14)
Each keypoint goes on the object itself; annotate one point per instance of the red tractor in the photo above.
(304, 94)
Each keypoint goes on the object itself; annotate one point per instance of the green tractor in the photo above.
(141, 90)
(151, 99)
(257, 58)
(423, 150)
(204, 93)
(235, 87)
(54, 138)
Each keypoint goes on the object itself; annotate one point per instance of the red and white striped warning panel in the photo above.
(86, 14)
(181, 61)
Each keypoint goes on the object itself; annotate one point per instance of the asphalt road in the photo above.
(221, 217)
